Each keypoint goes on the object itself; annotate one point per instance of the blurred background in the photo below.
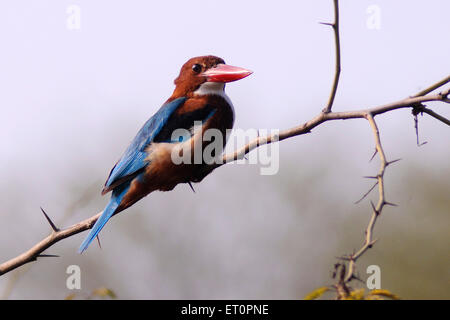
(79, 78)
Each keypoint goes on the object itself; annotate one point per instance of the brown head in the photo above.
(199, 70)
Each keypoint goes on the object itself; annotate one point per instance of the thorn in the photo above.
(390, 204)
(344, 258)
(374, 154)
(415, 112)
(357, 278)
(190, 185)
(371, 177)
(327, 24)
(393, 161)
(50, 221)
(47, 256)
(257, 144)
(373, 208)
(367, 193)
(98, 241)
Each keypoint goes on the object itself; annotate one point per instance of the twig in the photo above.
(84, 198)
(335, 26)
(433, 87)
(376, 210)
(436, 116)
(367, 193)
(47, 242)
(324, 117)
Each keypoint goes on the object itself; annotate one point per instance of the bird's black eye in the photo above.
(197, 68)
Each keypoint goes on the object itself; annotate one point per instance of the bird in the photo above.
(197, 104)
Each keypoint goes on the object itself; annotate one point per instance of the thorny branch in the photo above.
(337, 44)
(324, 117)
(345, 274)
(376, 210)
(35, 252)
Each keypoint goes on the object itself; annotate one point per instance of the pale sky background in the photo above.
(71, 101)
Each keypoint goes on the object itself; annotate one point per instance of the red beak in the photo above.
(226, 73)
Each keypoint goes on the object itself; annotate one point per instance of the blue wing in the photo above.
(133, 160)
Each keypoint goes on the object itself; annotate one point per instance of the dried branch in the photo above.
(376, 210)
(433, 87)
(34, 252)
(348, 272)
(322, 117)
(335, 26)
(436, 116)
(85, 197)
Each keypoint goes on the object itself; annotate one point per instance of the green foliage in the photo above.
(104, 293)
(101, 293)
(380, 293)
(356, 294)
(316, 293)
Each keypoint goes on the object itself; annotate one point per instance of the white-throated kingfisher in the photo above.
(146, 165)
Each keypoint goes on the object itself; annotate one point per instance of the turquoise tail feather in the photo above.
(110, 209)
